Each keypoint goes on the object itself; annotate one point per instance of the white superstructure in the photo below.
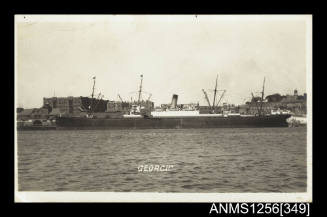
(183, 113)
(132, 116)
(279, 112)
(174, 113)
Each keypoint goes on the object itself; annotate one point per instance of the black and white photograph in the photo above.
(163, 108)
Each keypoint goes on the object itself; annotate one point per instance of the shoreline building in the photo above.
(32, 114)
(75, 105)
(81, 105)
(295, 103)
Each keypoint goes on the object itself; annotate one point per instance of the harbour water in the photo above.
(204, 160)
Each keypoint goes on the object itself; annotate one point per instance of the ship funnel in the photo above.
(174, 101)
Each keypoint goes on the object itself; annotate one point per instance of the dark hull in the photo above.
(172, 123)
(20, 128)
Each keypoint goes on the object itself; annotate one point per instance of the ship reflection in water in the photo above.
(204, 160)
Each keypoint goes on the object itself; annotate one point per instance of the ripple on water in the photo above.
(205, 160)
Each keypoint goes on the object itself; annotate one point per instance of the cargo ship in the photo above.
(174, 118)
(173, 122)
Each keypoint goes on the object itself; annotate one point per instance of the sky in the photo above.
(59, 55)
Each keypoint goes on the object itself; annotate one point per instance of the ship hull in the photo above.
(172, 123)
(21, 128)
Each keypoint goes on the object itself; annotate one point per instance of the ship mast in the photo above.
(140, 91)
(93, 87)
(214, 97)
(262, 94)
(92, 95)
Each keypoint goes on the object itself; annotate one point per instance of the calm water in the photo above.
(205, 160)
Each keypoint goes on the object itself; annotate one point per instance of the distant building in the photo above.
(75, 105)
(32, 114)
(274, 98)
(40, 113)
(18, 110)
(114, 106)
(54, 113)
(295, 98)
(295, 103)
(26, 114)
